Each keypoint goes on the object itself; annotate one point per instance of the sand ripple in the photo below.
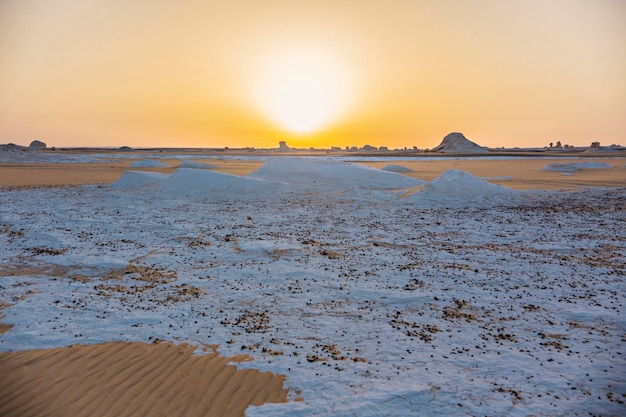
(130, 379)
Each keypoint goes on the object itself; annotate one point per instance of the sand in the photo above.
(117, 379)
(17, 174)
(164, 379)
(521, 173)
(131, 379)
(46, 174)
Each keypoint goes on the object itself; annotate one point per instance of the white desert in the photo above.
(312, 208)
(173, 283)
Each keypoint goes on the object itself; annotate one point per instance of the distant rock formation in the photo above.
(12, 147)
(455, 142)
(597, 148)
(282, 146)
(125, 149)
(37, 145)
(369, 148)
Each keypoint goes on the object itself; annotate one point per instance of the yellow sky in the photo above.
(401, 73)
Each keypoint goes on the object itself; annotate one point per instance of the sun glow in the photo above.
(303, 91)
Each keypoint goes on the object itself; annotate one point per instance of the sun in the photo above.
(303, 91)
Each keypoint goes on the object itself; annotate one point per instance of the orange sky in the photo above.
(191, 73)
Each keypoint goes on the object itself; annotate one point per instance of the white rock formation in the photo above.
(455, 142)
(37, 145)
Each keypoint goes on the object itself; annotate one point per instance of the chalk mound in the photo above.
(460, 188)
(133, 180)
(149, 163)
(462, 184)
(195, 165)
(324, 175)
(455, 142)
(396, 168)
(575, 166)
(280, 175)
(199, 183)
(202, 183)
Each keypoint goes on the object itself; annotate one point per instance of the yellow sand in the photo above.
(524, 173)
(130, 379)
(18, 174)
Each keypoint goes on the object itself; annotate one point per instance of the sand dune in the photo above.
(130, 379)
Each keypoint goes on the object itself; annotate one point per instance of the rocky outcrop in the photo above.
(12, 147)
(37, 145)
(456, 142)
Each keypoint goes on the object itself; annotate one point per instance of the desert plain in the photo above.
(520, 173)
(168, 283)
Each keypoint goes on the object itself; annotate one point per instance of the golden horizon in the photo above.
(403, 74)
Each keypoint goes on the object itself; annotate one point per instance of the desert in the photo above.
(271, 284)
(528, 171)
(312, 208)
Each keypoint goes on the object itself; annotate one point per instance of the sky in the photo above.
(157, 73)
